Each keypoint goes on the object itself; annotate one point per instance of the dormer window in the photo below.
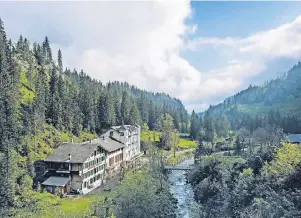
(122, 133)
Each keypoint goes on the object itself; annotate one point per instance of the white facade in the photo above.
(92, 174)
(129, 135)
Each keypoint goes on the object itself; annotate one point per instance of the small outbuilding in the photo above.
(53, 183)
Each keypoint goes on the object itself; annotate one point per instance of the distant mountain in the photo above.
(282, 94)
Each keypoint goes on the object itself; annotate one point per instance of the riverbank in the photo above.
(180, 156)
(181, 190)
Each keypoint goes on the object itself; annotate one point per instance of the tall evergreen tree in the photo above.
(125, 108)
(60, 61)
(143, 108)
(8, 125)
(134, 115)
(47, 50)
(103, 113)
(194, 125)
(54, 107)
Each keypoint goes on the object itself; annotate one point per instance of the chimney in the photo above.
(69, 157)
(103, 137)
(72, 140)
(90, 140)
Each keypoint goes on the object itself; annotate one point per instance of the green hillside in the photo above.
(43, 104)
(276, 102)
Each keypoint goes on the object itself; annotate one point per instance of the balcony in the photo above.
(62, 171)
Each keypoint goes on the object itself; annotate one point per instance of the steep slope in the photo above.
(43, 105)
(281, 94)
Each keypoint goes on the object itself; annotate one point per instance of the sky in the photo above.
(199, 52)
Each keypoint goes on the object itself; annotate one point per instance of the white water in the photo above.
(181, 190)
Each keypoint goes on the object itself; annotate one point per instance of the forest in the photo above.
(245, 165)
(243, 168)
(276, 102)
(43, 104)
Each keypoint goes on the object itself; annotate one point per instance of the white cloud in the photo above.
(141, 42)
(252, 55)
(283, 41)
(137, 42)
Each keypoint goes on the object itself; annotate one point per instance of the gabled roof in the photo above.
(80, 152)
(109, 144)
(125, 127)
(56, 181)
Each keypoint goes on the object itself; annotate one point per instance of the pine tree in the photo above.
(103, 112)
(125, 108)
(111, 109)
(117, 113)
(143, 108)
(60, 61)
(134, 115)
(47, 50)
(194, 125)
(209, 128)
(54, 107)
(8, 125)
(152, 116)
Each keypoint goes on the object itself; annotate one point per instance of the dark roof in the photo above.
(56, 181)
(125, 127)
(294, 138)
(80, 152)
(108, 144)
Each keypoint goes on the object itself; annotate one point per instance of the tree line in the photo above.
(277, 102)
(39, 98)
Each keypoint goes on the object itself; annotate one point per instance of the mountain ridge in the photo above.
(282, 94)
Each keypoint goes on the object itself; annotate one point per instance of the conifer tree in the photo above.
(194, 125)
(54, 106)
(8, 125)
(60, 61)
(125, 108)
(103, 113)
(134, 115)
(117, 113)
(47, 50)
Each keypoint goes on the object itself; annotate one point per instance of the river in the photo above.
(181, 190)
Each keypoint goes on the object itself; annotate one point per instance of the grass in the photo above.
(186, 144)
(179, 157)
(154, 136)
(79, 206)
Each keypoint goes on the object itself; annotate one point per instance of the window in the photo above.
(95, 153)
(122, 133)
(85, 184)
(111, 161)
